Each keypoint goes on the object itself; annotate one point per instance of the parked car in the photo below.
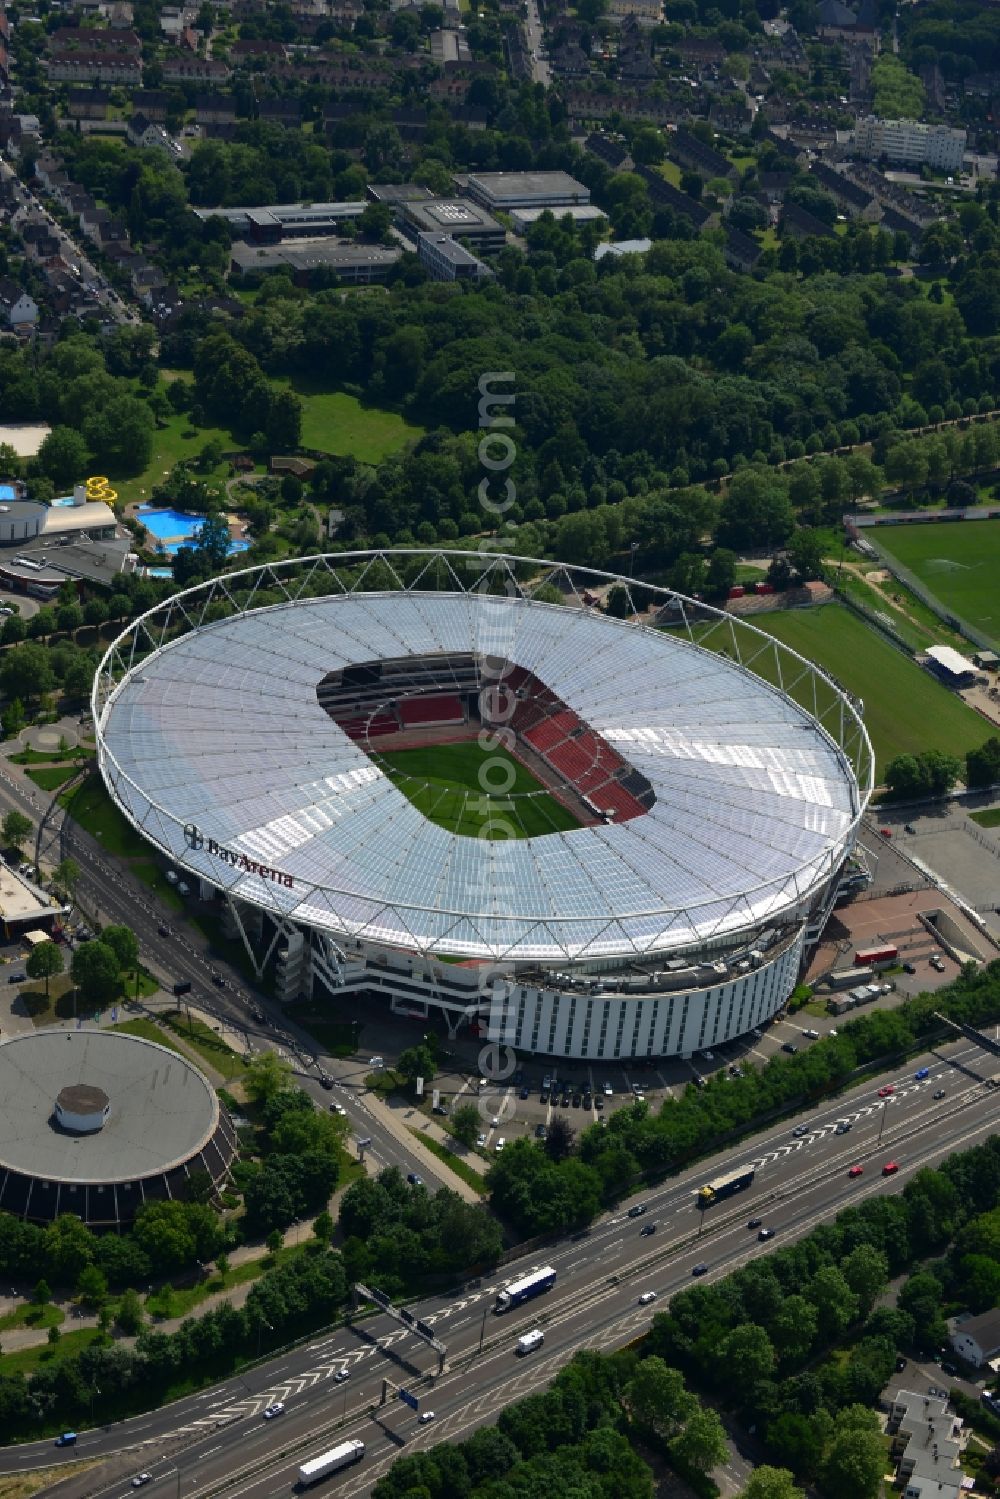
(811, 1035)
(790, 1047)
(17, 978)
(498, 1147)
(937, 1393)
(908, 968)
(541, 1133)
(480, 1141)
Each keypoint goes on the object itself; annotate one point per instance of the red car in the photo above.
(887, 1091)
(890, 1168)
(856, 1171)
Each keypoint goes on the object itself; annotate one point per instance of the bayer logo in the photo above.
(193, 837)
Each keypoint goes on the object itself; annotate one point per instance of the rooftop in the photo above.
(162, 1108)
(754, 803)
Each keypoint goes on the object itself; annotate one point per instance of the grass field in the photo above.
(988, 819)
(447, 784)
(906, 710)
(334, 422)
(959, 561)
(176, 440)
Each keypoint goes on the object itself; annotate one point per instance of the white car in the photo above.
(140, 1479)
(425, 1417)
(498, 1147)
(709, 1056)
(811, 1035)
(609, 1092)
(647, 1297)
(480, 1141)
(276, 1408)
(341, 1375)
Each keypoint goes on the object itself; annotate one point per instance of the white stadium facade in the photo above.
(715, 781)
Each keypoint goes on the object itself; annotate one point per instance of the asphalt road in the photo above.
(218, 1439)
(536, 38)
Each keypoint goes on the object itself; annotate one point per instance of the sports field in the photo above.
(476, 793)
(906, 710)
(959, 561)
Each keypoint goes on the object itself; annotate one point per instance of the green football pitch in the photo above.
(906, 709)
(475, 792)
(959, 561)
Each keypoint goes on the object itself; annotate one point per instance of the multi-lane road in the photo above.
(219, 1440)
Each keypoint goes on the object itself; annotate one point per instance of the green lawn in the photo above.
(51, 777)
(93, 809)
(338, 1038)
(27, 1360)
(202, 1039)
(959, 561)
(177, 439)
(446, 783)
(28, 1314)
(905, 709)
(168, 1301)
(469, 1174)
(988, 819)
(336, 423)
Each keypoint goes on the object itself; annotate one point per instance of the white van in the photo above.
(530, 1341)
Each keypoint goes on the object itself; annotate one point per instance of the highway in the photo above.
(218, 1439)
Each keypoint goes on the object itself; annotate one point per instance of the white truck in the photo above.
(343, 1456)
(530, 1341)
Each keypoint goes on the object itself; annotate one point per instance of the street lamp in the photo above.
(881, 1124)
(260, 1329)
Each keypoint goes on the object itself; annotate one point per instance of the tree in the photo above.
(657, 1399)
(66, 876)
(720, 575)
(746, 1356)
(702, 1442)
(42, 1294)
(559, 1139)
(124, 944)
(982, 765)
(929, 773)
(44, 961)
(417, 1061)
(130, 1315)
(755, 511)
(26, 672)
(856, 1460)
(214, 539)
(466, 1124)
(96, 972)
(92, 1286)
(771, 1483)
(618, 604)
(805, 553)
(866, 1271)
(323, 1227)
(64, 456)
(266, 1077)
(15, 829)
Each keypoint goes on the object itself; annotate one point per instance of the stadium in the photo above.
(99, 1123)
(454, 781)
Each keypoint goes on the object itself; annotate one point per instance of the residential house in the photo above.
(146, 134)
(75, 65)
(977, 1339)
(286, 112)
(698, 157)
(17, 309)
(87, 103)
(260, 49)
(214, 109)
(154, 103)
(664, 195)
(39, 241)
(740, 250)
(614, 153)
(854, 200)
(146, 280)
(798, 223)
(182, 67)
(927, 1444)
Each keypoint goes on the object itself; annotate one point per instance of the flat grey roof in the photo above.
(162, 1109)
(505, 187)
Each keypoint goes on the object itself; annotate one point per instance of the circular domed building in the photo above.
(99, 1123)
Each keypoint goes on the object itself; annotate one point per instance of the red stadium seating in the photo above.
(438, 708)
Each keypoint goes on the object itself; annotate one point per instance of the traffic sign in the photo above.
(408, 1399)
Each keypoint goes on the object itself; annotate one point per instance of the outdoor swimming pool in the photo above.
(174, 529)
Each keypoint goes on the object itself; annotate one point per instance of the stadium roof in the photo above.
(218, 750)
